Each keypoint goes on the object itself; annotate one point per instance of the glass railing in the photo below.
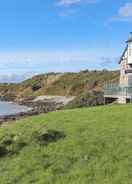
(116, 90)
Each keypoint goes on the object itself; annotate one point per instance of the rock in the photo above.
(41, 104)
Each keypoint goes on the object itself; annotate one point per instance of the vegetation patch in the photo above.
(49, 137)
(87, 99)
(36, 87)
(3, 151)
(60, 84)
(11, 144)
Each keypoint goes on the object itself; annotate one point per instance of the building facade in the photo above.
(122, 92)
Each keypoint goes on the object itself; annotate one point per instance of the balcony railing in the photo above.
(128, 71)
(117, 90)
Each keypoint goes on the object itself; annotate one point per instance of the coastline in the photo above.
(38, 105)
(14, 117)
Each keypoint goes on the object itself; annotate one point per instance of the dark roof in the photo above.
(129, 40)
(123, 54)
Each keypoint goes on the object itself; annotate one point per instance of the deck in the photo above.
(115, 91)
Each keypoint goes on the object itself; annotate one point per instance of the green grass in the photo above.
(96, 149)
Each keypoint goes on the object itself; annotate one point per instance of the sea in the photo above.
(10, 108)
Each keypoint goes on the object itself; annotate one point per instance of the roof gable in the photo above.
(123, 54)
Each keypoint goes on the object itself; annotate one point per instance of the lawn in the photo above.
(81, 146)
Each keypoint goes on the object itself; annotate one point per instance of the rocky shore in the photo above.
(18, 116)
(41, 104)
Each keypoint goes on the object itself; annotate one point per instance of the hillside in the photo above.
(63, 84)
(81, 146)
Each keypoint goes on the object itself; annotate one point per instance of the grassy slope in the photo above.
(97, 148)
(68, 84)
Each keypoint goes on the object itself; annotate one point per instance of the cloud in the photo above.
(15, 78)
(68, 12)
(74, 2)
(68, 2)
(124, 13)
(71, 7)
(106, 62)
(43, 61)
(126, 10)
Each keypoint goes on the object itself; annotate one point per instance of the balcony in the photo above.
(128, 71)
(115, 90)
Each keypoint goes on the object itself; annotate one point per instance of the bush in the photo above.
(87, 99)
(11, 144)
(7, 140)
(16, 147)
(3, 151)
(36, 87)
(48, 137)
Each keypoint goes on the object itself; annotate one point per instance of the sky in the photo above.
(40, 36)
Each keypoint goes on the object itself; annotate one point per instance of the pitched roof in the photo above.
(130, 38)
(123, 54)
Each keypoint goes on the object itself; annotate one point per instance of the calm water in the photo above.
(9, 108)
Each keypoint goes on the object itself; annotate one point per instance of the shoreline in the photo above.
(36, 109)
(39, 105)
(15, 117)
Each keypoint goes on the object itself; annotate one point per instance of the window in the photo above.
(130, 50)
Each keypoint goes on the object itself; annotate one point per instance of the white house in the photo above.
(122, 92)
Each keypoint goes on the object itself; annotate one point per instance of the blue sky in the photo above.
(38, 36)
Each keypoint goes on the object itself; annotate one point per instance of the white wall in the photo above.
(129, 53)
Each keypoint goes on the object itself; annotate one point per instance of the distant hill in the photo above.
(63, 84)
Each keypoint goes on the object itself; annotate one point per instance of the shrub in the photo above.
(11, 144)
(36, 87)
(3, 151)
(87, 99)
(48, 137)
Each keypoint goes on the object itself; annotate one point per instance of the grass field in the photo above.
(81, 146)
